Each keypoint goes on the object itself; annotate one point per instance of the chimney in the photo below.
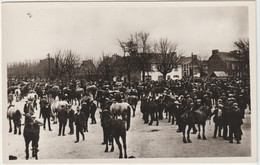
(215, 52)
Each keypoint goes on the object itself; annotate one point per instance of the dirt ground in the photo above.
(143, 141)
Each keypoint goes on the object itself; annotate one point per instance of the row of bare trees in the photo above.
(163, 54)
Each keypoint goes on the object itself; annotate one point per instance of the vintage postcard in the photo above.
(129, 82)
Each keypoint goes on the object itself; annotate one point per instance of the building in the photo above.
(87, 70)
(155, 75)
(227, 62)
(193, 67)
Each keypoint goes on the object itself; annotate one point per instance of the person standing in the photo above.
(71, 119)
(10, 97)
(63, 117)
(218, 120)
(80, 124)
(235, 122)
(46, 114)
(93, 109)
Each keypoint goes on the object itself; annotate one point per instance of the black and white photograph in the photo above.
(129, 81)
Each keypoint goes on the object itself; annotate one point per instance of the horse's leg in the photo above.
(183, 132)
(20, 130)
(157, 118)
(10, 125)
(124, 144)
(203, 127)
(170, 115)
(199, 137)
(119, 146)
(188, 132)
(152, 118)
(27, 149)
(106, 140)
(35, 148)
(15, 128)
(112, 148)
(173, 118)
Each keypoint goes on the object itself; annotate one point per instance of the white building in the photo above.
(155, 75)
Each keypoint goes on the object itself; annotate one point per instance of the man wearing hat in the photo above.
(80, 124)
(235, 122)
(63, 117)
(46, 114)
(71, 119)
(218, 120)
(93, 109)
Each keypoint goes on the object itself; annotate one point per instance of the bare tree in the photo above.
(129, 48)
(167, 58)
(72, 62)
(105, 66)
(143, 55)
(242, 46)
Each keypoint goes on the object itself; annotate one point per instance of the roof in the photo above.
(227, 56)
(185, 60)
(218, 74)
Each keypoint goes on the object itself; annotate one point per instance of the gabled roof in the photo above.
(227, 56)
(185, 60)
(218, 74)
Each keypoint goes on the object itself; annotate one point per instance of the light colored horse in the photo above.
(56, 106)
(122, 109)
(14, 114)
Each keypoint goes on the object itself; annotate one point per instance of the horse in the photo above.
(122, 109)
(113, 129)
(149, 108)
(55, 107)
(191, 118)
(15, 115)
(169, 101)
(31, 133)
(17, 93)
(132, 100)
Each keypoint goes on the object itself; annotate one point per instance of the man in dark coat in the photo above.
(26, 107)
(71, 119)
(93, 109)
(42, 103)
(86, 111)
(63, 117)
(46, 114)
(218, 120)
(80, 124)
(235, 122)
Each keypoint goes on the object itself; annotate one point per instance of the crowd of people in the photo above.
(226, 98)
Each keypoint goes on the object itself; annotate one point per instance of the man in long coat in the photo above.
(80, 121)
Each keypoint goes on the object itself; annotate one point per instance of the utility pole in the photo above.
(192, 63)
(49, 65)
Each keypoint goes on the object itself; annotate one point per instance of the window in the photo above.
(160, 78)
(233, 66)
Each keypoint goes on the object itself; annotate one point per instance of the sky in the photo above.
(32, 30)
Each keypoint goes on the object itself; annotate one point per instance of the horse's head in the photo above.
(105, 116)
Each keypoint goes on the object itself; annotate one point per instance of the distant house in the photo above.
(155, 75)
(227, 62)
(193, 67)
(87, 70)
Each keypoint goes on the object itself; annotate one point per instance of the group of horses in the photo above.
(113, 127)
(31, 130)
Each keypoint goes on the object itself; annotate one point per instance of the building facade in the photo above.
(224, 61)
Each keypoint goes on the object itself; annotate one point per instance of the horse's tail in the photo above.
(129, 109)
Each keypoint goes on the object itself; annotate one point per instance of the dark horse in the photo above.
(191, 118)
(149, 108)
(113, 129)
(132, 100)
(31, 133)
(122, 109)
(15, 115)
